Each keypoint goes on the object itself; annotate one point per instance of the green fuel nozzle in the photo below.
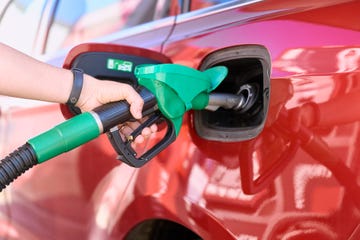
(178, 88)
(168, 90)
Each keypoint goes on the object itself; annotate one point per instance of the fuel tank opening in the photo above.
(238, 107)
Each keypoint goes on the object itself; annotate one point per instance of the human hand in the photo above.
(96, 93)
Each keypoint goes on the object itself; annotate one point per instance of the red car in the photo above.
(286, 168)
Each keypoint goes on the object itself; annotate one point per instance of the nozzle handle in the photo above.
(112, 114)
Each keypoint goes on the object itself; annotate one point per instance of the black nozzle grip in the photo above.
(126, 152)
(115, 113)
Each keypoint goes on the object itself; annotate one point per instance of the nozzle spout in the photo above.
(242, 101)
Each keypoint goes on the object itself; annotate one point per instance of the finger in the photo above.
(146, 132)
(129, 129)
(154, 128)
(135, 101)
(139, 139)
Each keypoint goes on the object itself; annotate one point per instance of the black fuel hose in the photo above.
(16, 164)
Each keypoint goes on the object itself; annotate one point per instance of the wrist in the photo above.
(87, 92)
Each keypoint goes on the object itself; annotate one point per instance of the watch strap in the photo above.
(77, 86)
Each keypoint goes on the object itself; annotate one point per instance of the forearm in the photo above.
(25, 77)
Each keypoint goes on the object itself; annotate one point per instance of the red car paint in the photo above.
(299, 179)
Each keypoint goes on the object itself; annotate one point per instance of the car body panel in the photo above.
(297, 197)
(311, 133)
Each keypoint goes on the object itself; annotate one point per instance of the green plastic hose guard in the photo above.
(65, 136)
(178, 88)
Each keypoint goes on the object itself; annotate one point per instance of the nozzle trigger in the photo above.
(128, 155)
